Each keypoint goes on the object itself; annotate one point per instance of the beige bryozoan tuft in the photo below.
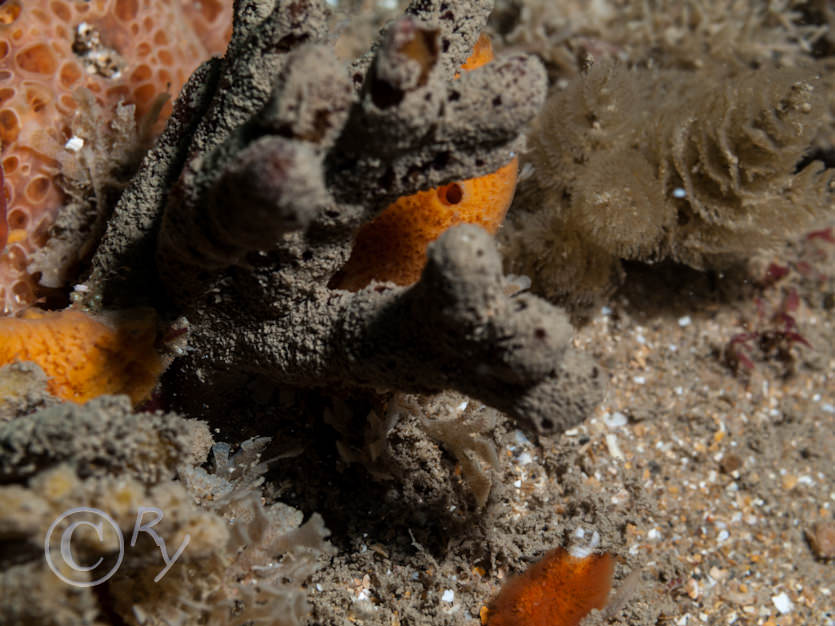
(698, 167)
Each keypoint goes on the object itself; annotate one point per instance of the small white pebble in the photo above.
(672, 347)
(679, 391)
(641, 339)
(783, 603)
(524, 458)
(463, 405)
(654, 534)
(81, 287)
(806, 480)
(723, 535)
(639, 380)
(449, 596)
(521, 439)
(517, 483)
(318, 587)
(684, 321)
(583, 548)
(615, 420)
(679, 192)
(614, 448)
(74, 144)
(828, 407)
(604, 310)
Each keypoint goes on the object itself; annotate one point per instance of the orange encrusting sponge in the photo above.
(392, 246)
(558, 590)
(481, 55)
(83, 356)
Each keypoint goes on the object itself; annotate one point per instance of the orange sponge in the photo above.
(558, 590)
(392, 247)
(481, 55)
(85, 357)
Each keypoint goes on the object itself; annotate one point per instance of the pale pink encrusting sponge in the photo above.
(128, 51)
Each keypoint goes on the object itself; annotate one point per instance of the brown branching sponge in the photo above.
(275, 155)
(700, 167)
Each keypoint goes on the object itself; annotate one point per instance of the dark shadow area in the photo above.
(670, 289)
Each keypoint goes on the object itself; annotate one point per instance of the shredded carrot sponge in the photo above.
(128, 51)
(392, 246)
(83, 356)
(558, 590)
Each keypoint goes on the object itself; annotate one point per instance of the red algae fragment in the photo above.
(558, 590)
